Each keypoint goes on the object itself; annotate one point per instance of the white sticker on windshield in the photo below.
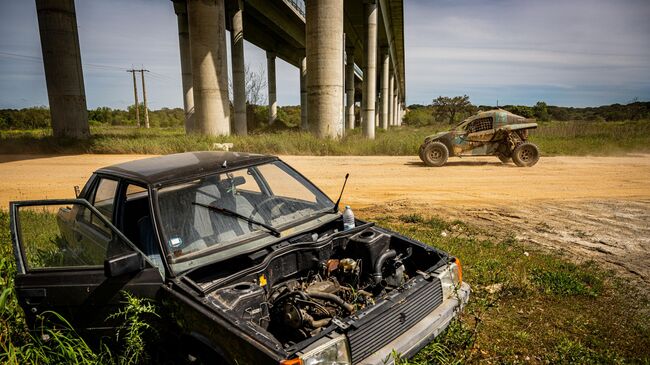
(175, 242)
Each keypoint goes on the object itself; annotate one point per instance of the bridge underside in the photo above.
(357, 49)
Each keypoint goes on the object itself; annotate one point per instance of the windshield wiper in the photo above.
(231, 213)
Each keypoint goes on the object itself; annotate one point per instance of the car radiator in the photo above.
(382, 324)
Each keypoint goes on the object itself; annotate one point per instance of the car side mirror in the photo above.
(123, 264)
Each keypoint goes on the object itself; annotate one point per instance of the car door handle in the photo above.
(33, 296)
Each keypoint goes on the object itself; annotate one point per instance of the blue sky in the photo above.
(571, 53)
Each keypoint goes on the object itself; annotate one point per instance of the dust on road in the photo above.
(589, 207)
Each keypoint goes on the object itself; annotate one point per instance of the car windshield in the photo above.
(227, 208)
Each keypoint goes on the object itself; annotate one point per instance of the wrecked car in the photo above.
(489, 133)
(247, 260)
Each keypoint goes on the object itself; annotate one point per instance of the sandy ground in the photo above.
(589, 207)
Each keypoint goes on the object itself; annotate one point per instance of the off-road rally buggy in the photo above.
(490, 133)
(247, 261)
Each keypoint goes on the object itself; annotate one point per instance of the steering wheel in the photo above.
(267, 201)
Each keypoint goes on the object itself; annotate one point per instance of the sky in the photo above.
(569, 53)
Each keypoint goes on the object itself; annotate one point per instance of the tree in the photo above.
(255, 85)
(540, 111)
(523, 110)
(450, 108)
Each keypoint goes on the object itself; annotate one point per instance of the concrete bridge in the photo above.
(348, 51)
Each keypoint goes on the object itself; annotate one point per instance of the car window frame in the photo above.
(90, 191)
(19, 250)
(153, 214)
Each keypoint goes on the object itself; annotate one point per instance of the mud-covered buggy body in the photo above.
(489, 133)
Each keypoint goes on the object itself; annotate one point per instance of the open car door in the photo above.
(70, 259)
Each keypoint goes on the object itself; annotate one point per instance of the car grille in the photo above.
(396, 315)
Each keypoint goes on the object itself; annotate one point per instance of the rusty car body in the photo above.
(489, 133)
(248, 262)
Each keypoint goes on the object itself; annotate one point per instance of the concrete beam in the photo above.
(395, 46)
(209, 66)
(259, 35)
(349, 88)
(324, 48)
(385, 70)
(280, 19)
(395, 101)
(238, 70)
(304, 122)
(389, 99)
(370, 72)
(57, 22)
(180, 8)
(273, 100)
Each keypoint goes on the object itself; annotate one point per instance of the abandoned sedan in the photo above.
(249, 263)
(490, 133)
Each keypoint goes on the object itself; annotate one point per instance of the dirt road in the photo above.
(589, 207)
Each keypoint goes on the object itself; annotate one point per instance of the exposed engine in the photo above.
(348, 278)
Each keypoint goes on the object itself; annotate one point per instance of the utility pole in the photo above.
(144, 99)
(135, 95)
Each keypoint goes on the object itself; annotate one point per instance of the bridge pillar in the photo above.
(384, 90)
(389, 99)
(209, 67)
(324, 49)
(370, 72)
(270, 72)
(377, 111)
(401, 114)
(180, 8)
(395, 111)
(57, 22)
(349, 88)
(304, 122)
(238, 70)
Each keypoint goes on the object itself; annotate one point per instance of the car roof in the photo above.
(183, 166)
(489, 113)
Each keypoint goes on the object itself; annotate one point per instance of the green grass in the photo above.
(553, 138)
(592, 138)
(528, 305)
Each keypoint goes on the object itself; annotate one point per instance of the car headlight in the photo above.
(451, 278)
(333, 352)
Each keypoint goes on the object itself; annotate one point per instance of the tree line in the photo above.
(452, 110)
(39, 117)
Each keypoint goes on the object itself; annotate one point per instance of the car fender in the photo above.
(196, 342)
(444, 137)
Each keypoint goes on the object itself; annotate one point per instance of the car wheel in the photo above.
(525, 155)
(435, 154)
(421, 152)
(503, 158)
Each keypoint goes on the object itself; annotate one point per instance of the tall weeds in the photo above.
(553, 138)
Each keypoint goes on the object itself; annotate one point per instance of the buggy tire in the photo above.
(435, 154)
(503, 158)
(525, 155)
(421, 152)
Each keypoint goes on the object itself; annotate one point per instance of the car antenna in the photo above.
(336, 205)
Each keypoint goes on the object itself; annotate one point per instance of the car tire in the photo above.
(525, 155)
(421, 152)
(435, 154)
(503, 158)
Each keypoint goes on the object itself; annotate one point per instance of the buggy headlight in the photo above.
(333, 352)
